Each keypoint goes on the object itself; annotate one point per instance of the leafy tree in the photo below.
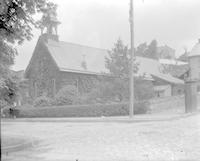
(16, 24)
(141, 49)
(119, 56)
(118, 64)
(116, 88)
(48, 18)
(149, 51)
(152, 51)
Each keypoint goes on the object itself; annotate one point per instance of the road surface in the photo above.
(67, 141)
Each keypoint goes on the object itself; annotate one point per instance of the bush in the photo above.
(141, 107)
(96, 110)
(66, 96)
(42, 101)
(3, 103)
(11, 112)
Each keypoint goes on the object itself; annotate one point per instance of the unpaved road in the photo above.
(62, 141)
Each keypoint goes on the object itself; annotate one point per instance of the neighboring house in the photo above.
(184, 57)
(194, 64)
(176, 68)
(164, 84)
(179, 71)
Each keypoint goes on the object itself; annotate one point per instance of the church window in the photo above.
(35, 88)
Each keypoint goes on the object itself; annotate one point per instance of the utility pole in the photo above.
(131, 20)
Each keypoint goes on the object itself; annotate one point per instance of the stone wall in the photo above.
(42, 72)
(172, 104)
(83, 82)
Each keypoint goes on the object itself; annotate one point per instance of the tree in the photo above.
(117, 87)
(141, 49)
(118, 57)
(184, 56)
(16, 18)
(152, 51)
(149, 51)
(16, 24)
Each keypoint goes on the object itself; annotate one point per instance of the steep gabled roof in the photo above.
(69, 57)
(152, 68)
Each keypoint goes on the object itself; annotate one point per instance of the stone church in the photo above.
(55, 64)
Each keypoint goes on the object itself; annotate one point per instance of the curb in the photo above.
(104, 119)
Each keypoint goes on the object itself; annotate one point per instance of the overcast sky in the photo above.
(99, 23)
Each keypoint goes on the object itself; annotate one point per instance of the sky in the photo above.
(99, 23)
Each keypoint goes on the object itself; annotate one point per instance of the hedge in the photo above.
(120, 109)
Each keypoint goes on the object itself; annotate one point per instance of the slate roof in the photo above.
(172, 62)
(195, 50)
(179, 70)
(69, 57)
(152, 68)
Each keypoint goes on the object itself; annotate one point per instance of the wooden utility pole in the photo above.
(131, 20)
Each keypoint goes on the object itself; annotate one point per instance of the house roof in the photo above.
(69, 57)
(179, 70)
(172, 62)
(152, 68)
(195, 50)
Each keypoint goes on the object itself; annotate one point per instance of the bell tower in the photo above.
(49, 24)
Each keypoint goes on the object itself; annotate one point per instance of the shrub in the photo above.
(66, 96)
(141, 107)
(95, 110)
(42, 101)
(9, 111)
(3, 103)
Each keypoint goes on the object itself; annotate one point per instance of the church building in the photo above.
(55, 64)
